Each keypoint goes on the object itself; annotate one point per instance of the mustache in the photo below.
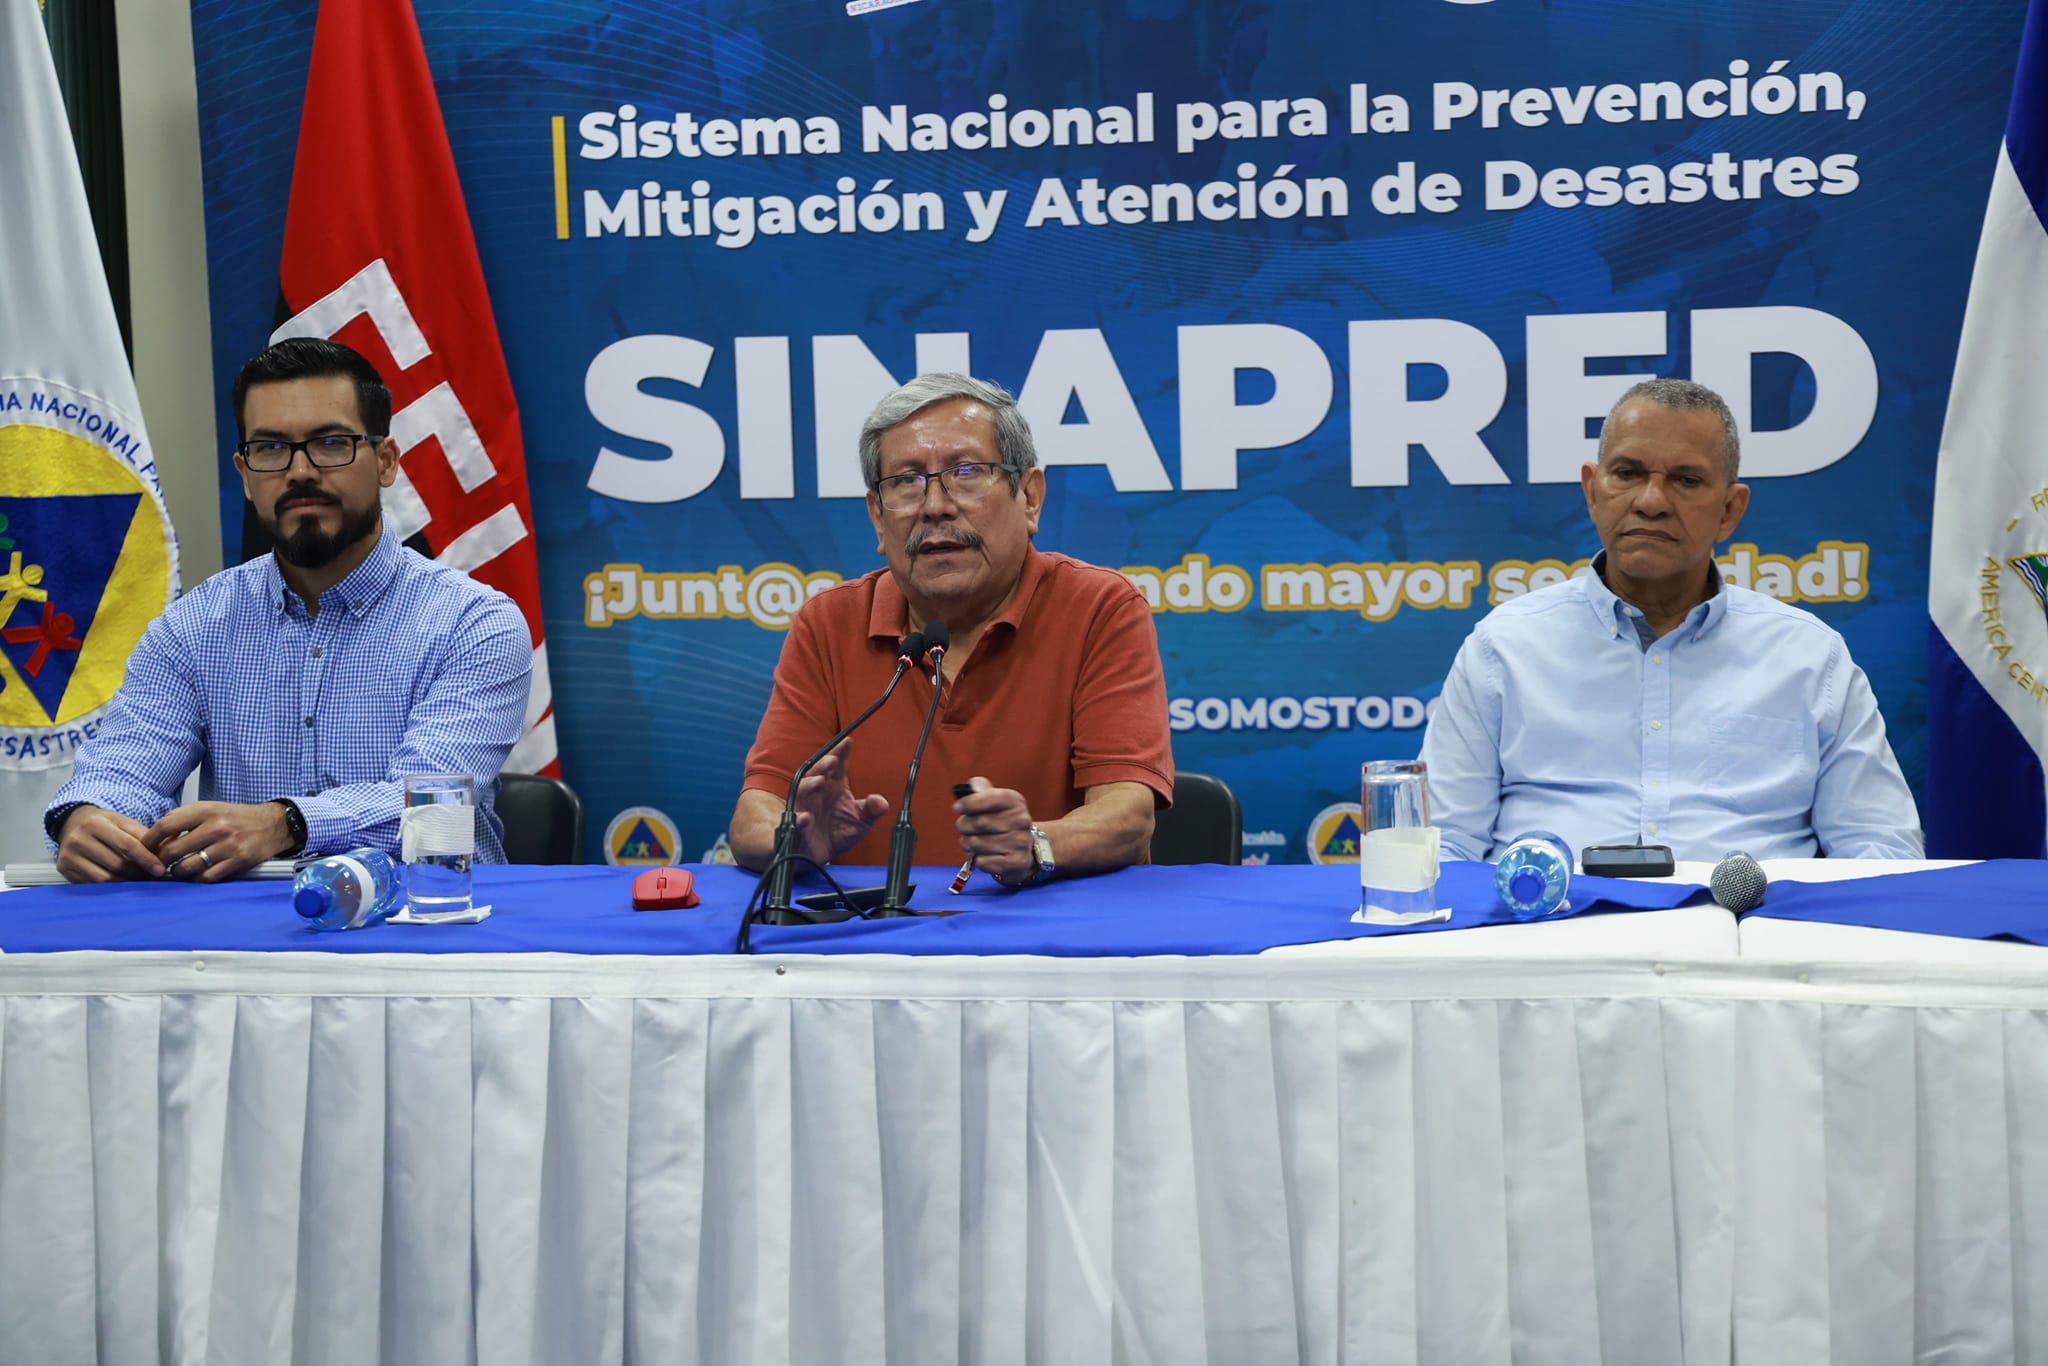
(303, 493)
(960, 536)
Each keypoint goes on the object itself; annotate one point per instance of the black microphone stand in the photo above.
(781, 869)
(903, 838)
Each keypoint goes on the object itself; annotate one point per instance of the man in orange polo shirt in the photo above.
(1055, 701)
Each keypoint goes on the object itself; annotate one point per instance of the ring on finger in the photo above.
(205, 859)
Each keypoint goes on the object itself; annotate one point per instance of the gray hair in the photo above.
(1683, 395)
(1013, 433)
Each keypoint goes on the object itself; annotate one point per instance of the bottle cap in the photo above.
(313, 902)
(1526, 884)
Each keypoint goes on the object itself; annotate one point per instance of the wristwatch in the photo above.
(1041, 853)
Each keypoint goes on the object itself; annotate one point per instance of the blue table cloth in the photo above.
(1996, 899)
(1148, 910)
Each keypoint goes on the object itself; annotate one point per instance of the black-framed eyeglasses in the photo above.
(329, 450)
(967, 482)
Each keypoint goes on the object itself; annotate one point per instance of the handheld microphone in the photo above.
(1738, 883)
(781, 868)
(903, 839)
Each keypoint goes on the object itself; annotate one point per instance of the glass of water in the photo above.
(1399, 848)
(437, 839)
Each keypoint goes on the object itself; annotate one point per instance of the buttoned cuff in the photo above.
(54, 818)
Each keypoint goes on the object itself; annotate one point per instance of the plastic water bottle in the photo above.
(1534, 874)
(347, 891)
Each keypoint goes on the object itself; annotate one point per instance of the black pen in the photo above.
(967, 868)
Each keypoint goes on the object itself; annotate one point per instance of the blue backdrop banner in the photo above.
(1314, 308)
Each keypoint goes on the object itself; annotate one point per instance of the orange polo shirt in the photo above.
(1064, 692)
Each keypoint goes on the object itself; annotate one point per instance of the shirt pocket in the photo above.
(1755, 753)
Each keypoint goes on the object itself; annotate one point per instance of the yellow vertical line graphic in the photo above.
(561, 184)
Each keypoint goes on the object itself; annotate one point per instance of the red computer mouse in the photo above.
(664, 889)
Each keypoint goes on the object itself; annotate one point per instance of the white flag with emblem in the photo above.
(87, 555)
(1987, 593)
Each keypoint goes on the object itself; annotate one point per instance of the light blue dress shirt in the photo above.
(1745, 727)
(410, 667)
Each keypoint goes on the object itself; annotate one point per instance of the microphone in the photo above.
(903, 839)
(781, 868)
(1738, 883)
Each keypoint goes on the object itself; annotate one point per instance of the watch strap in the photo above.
(54, 818)
(1041, 858)
(295, 827)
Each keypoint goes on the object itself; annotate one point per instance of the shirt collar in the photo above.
(889, 614)
(356, 593)
(1615, 616)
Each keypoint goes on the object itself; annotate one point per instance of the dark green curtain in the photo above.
(89, 73)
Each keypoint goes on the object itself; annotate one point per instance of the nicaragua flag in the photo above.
(1987, 666)
(87, 554)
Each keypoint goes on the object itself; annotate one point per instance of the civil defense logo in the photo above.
(1334, 834)
(87, 559)
(641, 837)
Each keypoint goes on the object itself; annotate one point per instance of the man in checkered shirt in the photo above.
(305, 684)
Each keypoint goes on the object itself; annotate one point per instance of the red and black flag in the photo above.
(378, 254)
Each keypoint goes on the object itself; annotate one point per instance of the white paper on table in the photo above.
(441, 830)
(1400, 860)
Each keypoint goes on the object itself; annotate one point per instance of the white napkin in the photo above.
(404, 916)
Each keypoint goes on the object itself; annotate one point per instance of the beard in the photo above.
(309, 547)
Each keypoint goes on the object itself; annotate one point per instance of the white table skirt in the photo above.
(318, 1158)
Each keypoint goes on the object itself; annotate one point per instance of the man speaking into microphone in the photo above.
(1054, 706)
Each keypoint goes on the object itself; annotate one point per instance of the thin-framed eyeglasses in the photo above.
(329, 450)
(967, 482)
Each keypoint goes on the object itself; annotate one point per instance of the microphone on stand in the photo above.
(1738, 883)
(776, 877)
(903, 839)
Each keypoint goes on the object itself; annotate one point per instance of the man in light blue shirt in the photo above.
(1648, 702)
(305, 684)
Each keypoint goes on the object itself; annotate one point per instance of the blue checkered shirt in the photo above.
(410, 667)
